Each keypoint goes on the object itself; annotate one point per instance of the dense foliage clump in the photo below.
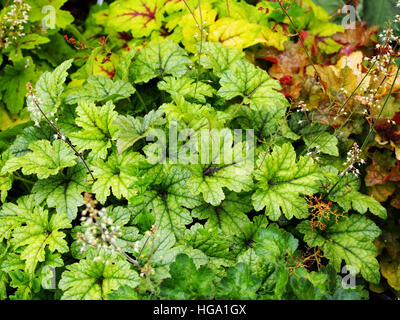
(198, 150)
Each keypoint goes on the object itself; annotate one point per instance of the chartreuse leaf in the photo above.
(187, 282)
(99, 88)
(233, 33)
(131, 130)
(223, 166)
(168, 199)
(98, 127)
(49, 88)
(13, 81)
(239, 284)
(46, 159)
(159, 60)
(64, 191)
(114, 174)
(187, 87)
(350, 240)
(218, 58)
(254, 85)
(90, 280)
(282, 181)
(40, 232)
(188, 24)
(229, 217)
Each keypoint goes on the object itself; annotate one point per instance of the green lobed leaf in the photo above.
(49, 88)
(41, 231)
(98, 128)
(282, 181)
(63, 192)
(159, 60)
(114, 174)
(46, 159)
(254, 85)
(99, 88)
(90, 280)
(350, 240)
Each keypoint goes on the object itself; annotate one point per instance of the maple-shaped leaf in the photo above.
(100, 88)
(255, 86)
(218, 58)
(168, 199)
(159, 60)
(64, 191)
(98, 128)
(224, 166)
(187, 87)
(282, 182)
(350, 240)
(140, 17)
(45, 159)
(188, 282)
(131, 130)
(90, 280)
(40, 232)
(114, 174)
(239, 284)
(229, 217)
(62, 18)
(13, 81)
(49, 88)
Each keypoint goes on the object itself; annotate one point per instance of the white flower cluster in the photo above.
(302, 106)
(13, 23)
(32, 105)
(353, 158)
(100, 233)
